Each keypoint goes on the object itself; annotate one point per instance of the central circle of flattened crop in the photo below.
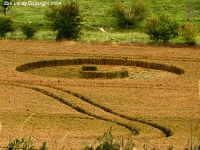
(99, 68)
(92, 72)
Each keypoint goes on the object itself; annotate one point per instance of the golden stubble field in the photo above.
(73, 112)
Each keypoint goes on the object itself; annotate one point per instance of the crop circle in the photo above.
(99, 68)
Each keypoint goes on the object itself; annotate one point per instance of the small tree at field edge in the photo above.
(66, 21)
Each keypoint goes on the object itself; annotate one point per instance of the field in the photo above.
(153, 107)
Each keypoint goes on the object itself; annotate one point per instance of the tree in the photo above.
(66, 21)
(29, 30)
(189, 32)
(128, 18)
(162, 29)
(6, 25)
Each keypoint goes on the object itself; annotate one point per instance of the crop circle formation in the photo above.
(97, 68)
(92, 67)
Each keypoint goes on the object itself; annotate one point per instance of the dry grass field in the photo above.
(69, 111)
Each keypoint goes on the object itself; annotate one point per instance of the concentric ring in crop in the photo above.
(70, 68)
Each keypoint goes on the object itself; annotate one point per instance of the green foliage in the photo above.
(192, 10)
(29, 30)
(108, 142)
(6, 25)
(162, 29)
(1, 3)
(105, 142)
(21, 144)
(128, 18)
(66, 21)
(189, 32)
(98, 13)
(24, 144)
(44, 146)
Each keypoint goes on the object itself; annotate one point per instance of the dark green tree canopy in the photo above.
(162, 29)
(66, 21)
(130, 17)
(6, 25)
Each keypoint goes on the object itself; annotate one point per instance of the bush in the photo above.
(128, 18)
(162, 29)
(6, 25)
(24, 144)
(21, 144)
(189, 32)
(28, 30)
(108, 142)
(66, 21)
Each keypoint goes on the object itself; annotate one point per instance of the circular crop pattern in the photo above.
(89, 68)
(98, 68)
(91, 72)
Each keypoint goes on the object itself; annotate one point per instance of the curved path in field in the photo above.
(49, 92)
(165, 130)
(111, 116)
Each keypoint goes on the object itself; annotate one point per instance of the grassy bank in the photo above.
(97, 13)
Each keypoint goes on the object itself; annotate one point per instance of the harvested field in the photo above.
(156, 107)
